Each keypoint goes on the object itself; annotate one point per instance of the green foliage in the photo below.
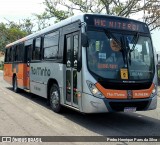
(42, 20)
(9, 33)
(149, 10)
(1, 66)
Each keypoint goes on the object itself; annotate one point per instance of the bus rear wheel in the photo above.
(55, 98)
(15, 86)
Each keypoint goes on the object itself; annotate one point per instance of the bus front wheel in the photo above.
(55, 98)
(15, 86)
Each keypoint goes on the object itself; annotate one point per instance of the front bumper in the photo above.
(91, 104)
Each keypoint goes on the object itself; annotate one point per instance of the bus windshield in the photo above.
(106, 57)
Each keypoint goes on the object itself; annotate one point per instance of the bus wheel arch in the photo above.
(53, 95)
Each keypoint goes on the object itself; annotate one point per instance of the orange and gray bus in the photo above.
(91, 63)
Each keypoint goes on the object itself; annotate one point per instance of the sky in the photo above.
(15, 10)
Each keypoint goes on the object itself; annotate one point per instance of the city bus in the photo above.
(91, 63)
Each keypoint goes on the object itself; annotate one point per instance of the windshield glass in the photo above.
(109, 58)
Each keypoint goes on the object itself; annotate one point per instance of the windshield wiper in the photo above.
(134, 42)
(120, 43)
(110, 35)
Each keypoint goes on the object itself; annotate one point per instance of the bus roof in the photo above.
(63, 23)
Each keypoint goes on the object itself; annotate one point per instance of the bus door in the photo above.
(28, 50)
(72, 46)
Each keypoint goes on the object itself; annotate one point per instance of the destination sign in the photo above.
(117, 23)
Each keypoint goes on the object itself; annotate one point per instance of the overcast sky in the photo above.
(15, 10)
(19, 9)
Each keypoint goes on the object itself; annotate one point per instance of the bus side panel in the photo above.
(40, 73)
(26, 80)
(20, 72)
(8, 73)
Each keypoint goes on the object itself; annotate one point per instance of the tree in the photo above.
(3, 38)
(25, 25)
(42, 20)
(9, 33)
(149, 10)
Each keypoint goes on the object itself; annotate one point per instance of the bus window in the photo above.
(9, 54)
(6, 55)
(19, 52)
(36, 54)
(16, 53)
(12, 53)
(75, 43)
(51, 45)
(28, 50)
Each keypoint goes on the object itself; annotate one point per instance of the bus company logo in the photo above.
(40, 71)
(129, 94)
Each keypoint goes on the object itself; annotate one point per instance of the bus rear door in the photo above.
(28, 50)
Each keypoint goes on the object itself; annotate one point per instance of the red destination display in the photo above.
(118, 24)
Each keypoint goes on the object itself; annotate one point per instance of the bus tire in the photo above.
(15, 86)
(54, 97)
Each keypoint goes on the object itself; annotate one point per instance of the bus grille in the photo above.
(119, 106)
(126, 86)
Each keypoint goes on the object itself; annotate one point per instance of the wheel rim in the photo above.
(55, 99)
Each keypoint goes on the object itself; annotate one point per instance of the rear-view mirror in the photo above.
(84, 40)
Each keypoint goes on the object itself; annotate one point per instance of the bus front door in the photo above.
(72, 45)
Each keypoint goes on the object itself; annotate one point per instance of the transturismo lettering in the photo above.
(40, 71)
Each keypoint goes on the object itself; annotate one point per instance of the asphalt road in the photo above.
(24, 114)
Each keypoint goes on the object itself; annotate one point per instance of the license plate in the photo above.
(130, 109)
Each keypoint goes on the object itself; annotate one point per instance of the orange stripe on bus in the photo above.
(122, 94)
(112, 94)
(138, 94)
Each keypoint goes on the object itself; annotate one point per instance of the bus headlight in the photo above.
(94, 90)
(154, 89)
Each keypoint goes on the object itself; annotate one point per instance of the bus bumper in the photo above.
(91, 104)
(139, 104)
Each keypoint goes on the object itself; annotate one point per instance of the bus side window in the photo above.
(8, 55)
(13, 54)
(51, 45)
(28, 50)
(36, 53)
(6, 51)
(29, 54)
(16, 53)
(76, 45)
(21, 51)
